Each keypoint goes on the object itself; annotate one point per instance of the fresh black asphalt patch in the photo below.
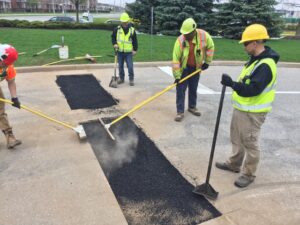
(148, 188)
(84, 92)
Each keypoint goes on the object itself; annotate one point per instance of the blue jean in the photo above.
(125, 56)
(192, 83)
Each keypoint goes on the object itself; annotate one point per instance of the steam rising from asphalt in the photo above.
(114, 154)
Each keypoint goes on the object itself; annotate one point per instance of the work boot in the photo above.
(244, 181)
(194, 111)
(120, 81)
(226, 166)
(131, 83)
(179, 117)
(11, 140)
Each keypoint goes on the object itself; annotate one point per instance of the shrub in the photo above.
(54, 25)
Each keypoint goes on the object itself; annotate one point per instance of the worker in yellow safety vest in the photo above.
(124, 40)
(193, 50)
(252, 98)
(8, 55)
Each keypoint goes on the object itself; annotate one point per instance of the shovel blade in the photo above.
(113, 82)
(206, 190)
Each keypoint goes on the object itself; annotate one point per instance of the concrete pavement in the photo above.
(52, 178)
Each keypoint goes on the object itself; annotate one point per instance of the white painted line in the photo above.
(203, 90)
(288, 92)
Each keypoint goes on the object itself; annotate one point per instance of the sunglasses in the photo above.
(247, 43)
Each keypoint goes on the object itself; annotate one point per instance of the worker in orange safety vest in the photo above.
(193, 50)
(8, 55)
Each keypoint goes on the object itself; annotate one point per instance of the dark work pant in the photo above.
(192, 84)
(125, 56)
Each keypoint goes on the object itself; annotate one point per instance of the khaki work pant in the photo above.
(4, 124)
(244, 133)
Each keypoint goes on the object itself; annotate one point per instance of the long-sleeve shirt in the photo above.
(126, 30)
(260, 78)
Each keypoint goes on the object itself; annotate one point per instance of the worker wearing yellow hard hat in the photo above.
(252, 98)
(193, 51)
(124, 41)
(124, 18)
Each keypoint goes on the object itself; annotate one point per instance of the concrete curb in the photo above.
(32, 69)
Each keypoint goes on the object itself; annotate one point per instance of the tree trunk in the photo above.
(77, 11)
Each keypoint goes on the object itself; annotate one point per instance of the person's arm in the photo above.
(114, 37)
(134, 41)
(210, 49)
(177, 53)
(259, 80)
(12, 87)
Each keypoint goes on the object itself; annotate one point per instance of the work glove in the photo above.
(226, 80)
(16, 102)
(204, 66)
(176, 81)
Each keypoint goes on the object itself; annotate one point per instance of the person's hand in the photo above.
(226, 80)
(176, 81)
(116, 47)
(204, 66)
(133, 52)
(16, 102)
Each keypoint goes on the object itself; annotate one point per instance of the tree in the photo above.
(234, 16)
(141, 10)
(77, 3)
(170, 14)
(32, 5)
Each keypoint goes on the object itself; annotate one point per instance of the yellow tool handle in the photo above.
(39, 114)
(153, 97)
(66, 60)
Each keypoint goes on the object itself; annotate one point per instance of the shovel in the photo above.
(114, 80)
(206, 189)
(53, 46)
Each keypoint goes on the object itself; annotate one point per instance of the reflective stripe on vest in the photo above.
(263, 101)
(124, 41)
(200, 45)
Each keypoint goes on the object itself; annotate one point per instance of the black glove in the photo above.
(226, 80)
(204, 66)
(16, 103)
(176, 81)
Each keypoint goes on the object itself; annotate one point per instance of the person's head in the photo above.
(253, 38)
(8, 55)
(188, 28)
(125, 19)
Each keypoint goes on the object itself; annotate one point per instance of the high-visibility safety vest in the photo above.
(125, 41)
(204, 51)
(8, 74)
(263, 101)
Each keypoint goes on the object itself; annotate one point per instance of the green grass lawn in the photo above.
(98, 42)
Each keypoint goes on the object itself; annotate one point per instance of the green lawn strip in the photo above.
(98, 42)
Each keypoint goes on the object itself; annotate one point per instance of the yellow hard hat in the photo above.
(124, 17)
(254, 32)
(188, 26)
